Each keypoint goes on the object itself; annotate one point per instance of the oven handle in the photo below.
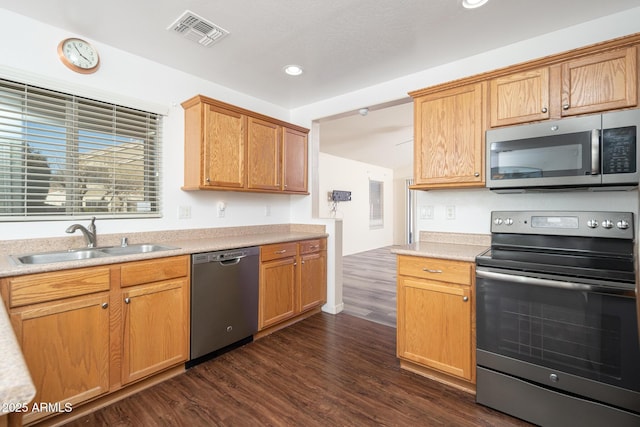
(560, 284)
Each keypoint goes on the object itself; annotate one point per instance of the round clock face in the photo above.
(78, 55)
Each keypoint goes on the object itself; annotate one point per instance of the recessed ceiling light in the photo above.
(293, 70)
(472, 4)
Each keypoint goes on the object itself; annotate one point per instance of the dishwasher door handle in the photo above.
(232, 261)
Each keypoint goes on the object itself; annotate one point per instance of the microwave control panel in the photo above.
(619, 150)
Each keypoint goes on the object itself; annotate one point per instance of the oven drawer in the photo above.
(442, 270)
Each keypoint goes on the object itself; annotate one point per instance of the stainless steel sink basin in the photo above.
(80, 254)
(134, 249)
(60, 256)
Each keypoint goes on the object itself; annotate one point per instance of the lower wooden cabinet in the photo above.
(436, 318)
(293, 280)
(85, 333)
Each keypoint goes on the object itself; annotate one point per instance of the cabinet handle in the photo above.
(477, 174)
(127, 300)
(428, 270)
(302, 262)
(105, 305)
(281, 251)
(565, 107)
(544, 109)
(465, 298)
(207, 180)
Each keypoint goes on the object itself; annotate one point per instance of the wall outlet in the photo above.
(184, 212)
(222, 209)
(426, 212)
(450, 212)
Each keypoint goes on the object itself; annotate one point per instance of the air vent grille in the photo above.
(197, 29)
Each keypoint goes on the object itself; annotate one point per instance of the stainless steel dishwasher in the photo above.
(224, 300)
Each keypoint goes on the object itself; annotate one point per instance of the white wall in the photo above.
(133, 81)
(337, 173)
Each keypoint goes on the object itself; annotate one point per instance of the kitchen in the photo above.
(471, 216)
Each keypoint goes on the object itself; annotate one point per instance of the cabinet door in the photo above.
(155, 328)
(313, 280)
(294, 161)
(224, 148)
(600, 82)
(449, 132)
(263, 155)
(434, 325)
(520, 97)
(277, 295)
(66, 348)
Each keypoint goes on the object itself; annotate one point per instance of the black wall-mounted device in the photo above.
(340, 196)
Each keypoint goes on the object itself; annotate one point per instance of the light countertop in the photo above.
(454, 246)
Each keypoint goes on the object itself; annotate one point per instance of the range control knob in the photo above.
(622, 224)
(508, 221)
(592, 223)
(607, 223)
(497, 221)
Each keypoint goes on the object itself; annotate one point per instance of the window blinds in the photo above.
(65, 156)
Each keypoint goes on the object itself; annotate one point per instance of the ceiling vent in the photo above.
(197, 29)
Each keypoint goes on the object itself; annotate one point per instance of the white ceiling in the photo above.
(343, 45)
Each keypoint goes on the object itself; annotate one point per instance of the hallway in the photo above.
(369, 285)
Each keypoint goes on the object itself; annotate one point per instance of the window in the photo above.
(63, 156)
(376, 203)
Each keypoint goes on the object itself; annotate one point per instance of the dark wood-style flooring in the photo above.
(369, 285)
(328, 370)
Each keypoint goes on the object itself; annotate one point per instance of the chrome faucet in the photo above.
(89, 234)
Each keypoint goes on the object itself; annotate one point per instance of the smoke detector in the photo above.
(197, 29)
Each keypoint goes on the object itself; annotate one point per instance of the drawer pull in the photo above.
(281, 251)
(127, 300)
(105, 305)
(314, 247)
(428, 270)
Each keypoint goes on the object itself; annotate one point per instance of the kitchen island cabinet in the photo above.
(86, 333)
(436, 319)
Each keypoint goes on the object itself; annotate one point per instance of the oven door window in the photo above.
(587, 334)
(542, 157)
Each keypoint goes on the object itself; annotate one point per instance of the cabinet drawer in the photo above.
(280, 250)
(315, 245)
(42, 287)
(436, 269)
(153, 270)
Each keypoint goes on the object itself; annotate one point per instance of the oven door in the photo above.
(561, 153)
(578, 337)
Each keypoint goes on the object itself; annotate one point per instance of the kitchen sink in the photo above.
(88, 253)
(134, 249)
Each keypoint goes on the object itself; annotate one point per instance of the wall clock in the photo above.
(79, 55)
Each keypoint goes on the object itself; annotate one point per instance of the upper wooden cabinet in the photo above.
(600, 82)
(586, 84)
(519, 97)
(449, 134)
(229, 148)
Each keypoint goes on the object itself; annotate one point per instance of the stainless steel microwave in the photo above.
(591, 152)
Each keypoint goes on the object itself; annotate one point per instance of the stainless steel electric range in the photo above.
(557, 330)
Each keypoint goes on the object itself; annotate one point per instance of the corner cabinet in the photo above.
(293, 282)
(86, 333)
(229, 148)
(449, 137)
(436, 319)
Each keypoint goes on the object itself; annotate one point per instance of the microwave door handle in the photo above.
(595, 152)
